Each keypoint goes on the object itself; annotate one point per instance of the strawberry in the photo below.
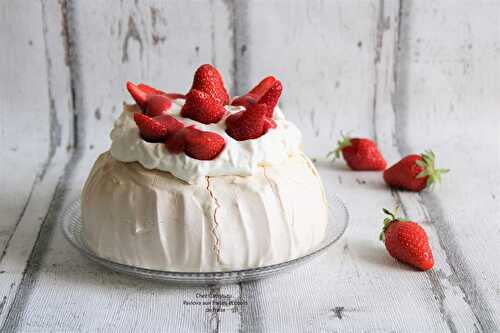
(202, 107)
(407, 242)
(176, 142)
(268, 91)
(246, 101)
(260, 89)
(248, 124)
(138, 94)
(172, 124)
(151, 130)
(153, 102)
(414, 172)
(153, 91)
(360, 154)
(149, 90)
(156, 105)
(202, 145)
(272, 96)
(208, 79)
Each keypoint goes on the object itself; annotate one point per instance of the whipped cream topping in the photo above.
(239, 158)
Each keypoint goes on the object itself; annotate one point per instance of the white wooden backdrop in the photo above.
(410, 74)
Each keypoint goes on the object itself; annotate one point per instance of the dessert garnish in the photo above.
(268, 91)
(156, 129)
(151, 101)
(359, 154)
(206, 103)
(208, 79)
(249, 124)
(202, 107)
(406, 241)
(414, 172)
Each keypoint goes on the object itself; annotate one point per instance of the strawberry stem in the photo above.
(427, 163)
(393, 217)
(345, 141)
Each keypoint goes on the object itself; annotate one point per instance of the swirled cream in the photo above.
(239, 158)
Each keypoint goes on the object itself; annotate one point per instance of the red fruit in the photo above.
(176, 142)
(202, 107)
(414, 172)
(360, 154)
(269, 123)
(153, 91)
(248, 124)
(272, 96)
(246, 101)
(209, 80)
(156, 105)
(149, 90)
(138, 94)
(172, 124)
(152, 101)
(151, 130)
(407, 242)
(202, 145)
(260, 89)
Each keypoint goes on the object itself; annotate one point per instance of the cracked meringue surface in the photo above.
(151, 219)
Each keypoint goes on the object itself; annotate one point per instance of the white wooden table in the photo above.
(410, 74)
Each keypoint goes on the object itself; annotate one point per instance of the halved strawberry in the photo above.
(150, 90)
(156, 105)
(176, 142)
(260, 89)
(208, 79)
(138, 94)
(202, 145)
(248, 124)
(172, 124)
(151, 130)
(272, 96)
(246, 101)
(268, 91)
(202, 107)
(152, 101)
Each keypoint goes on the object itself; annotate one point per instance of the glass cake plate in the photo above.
(337, 225)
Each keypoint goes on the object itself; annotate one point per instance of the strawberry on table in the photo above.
(414, 172)
(360, 154)
(407, 242)
(202, 107)
(208, 79)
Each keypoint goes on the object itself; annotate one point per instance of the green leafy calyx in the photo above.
(427, 162)
(392, 217)
(345, 141)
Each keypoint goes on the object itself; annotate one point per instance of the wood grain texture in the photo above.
(452, 83)
(36, 131)
(410, 75)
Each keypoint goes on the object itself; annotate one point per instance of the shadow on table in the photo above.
(373, 253)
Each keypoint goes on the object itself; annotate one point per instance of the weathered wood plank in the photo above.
(448, 86)
(323, 52)
(35, 131)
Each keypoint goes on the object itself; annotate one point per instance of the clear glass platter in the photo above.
(337, 225)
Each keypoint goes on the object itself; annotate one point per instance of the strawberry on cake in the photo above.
(200, 182)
